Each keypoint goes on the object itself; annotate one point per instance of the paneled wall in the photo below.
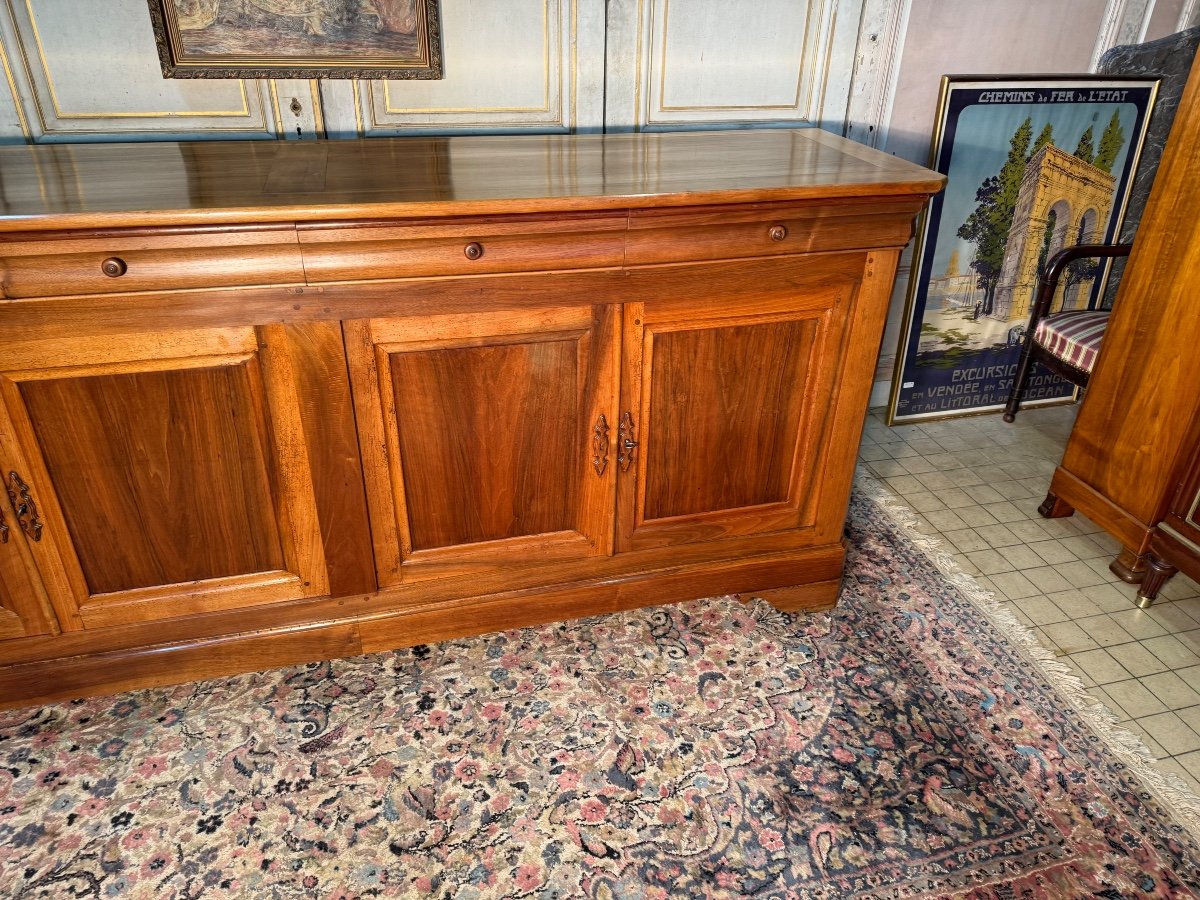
(89, 71)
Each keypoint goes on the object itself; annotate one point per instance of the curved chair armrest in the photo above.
(1048, 283)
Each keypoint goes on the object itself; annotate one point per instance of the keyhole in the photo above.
(296, 108)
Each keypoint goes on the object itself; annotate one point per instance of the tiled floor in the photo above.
(977, 482)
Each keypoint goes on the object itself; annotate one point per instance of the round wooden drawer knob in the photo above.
(114, 267)
(777, 232)
(473, 250)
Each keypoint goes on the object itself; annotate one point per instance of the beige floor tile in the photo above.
(965, 477)
(1066, 638)
(1139, 623)
(1104, 630)
(1052, 551)
(953, 498)
(966, 540)
(905, 484)
(1079, 574)
(1173, 652)
(998, 536)
(1135, 698)
(935, 481)
(1191, 716)
(1137, 659)
(1032, 531)
(975, 516)
(1190, 639)
(989, 561)
(1172, 690)
(1083, 547)
(1173, 617)
(887, 468)
(1171, 732)
(1101, 666)
(1040, 609)
(1047, 579)
(1191, 762)
(1179, 588)
(1075, 604)
(1058, 528)
(1020, 557)
(982, 493)
(923, 501)
(1109, 597)
(945, 520)
(1005, 512)
(1015, 585)
(917, 465)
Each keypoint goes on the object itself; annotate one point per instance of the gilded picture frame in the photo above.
(1059, 153)
(388, 39)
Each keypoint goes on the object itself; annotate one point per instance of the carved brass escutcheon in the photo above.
(27, 514)
(600, 446)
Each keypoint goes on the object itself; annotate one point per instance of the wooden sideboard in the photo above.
(263, 404)
(1139, 423)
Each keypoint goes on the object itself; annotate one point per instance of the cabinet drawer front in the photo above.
(462, 248)
(661, 236)
(147, 263)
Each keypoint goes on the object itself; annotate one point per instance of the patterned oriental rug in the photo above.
(913, 743)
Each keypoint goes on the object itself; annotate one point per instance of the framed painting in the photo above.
(298, 38)
(1033, 164)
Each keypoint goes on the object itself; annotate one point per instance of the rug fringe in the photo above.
(1171, 790)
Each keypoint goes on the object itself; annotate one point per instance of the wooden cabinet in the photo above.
(1175, 543)
(270, 426)
(168, 471)
(1139, 422)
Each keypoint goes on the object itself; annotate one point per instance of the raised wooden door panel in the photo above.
(728, 407)
(487, 440)
(23, 608)
(169, 472)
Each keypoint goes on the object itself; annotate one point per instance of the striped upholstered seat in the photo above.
(1073, 337)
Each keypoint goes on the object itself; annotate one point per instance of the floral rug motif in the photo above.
(909, 744)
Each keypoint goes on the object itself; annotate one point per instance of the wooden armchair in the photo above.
(1067, 343)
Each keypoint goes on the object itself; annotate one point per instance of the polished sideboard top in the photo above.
(95, 186)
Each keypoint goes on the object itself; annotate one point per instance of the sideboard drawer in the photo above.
(358, 252)
(663, 236)
(148, 262)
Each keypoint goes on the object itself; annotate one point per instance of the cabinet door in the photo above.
(728, 407)
(23, 609)
(167, 470)
(486, 438)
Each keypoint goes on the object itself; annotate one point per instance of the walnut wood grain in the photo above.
(162, 476)
(107, 185)
(318, 359)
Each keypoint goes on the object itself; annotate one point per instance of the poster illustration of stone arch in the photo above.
(1033, 165)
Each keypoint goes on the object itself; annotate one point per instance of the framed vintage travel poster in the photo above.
(1033, 165)
(298, 38)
